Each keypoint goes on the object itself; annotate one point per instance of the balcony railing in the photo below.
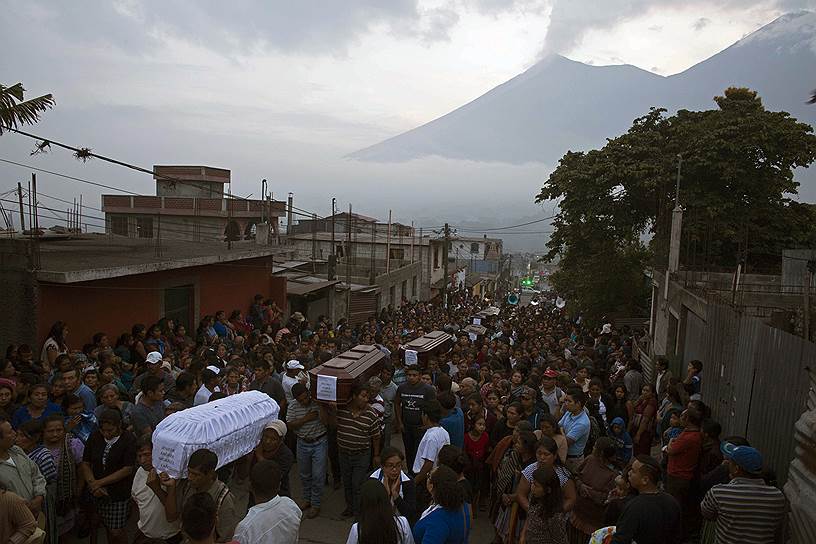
(176, 205)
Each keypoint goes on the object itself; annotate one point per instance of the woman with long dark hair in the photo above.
(545, 519)
(377, 522)
(54, 345)
(642, 426)
(447, 519)
(620, 405)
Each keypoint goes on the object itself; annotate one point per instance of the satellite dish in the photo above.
(560, 303)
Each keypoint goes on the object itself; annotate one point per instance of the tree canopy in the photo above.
(736, 181)
(15, 110)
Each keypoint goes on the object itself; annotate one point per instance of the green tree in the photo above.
(15, 110)
(737, 175)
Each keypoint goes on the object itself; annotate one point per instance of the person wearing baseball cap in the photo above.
(551, 394)
(746, 509)
(272, 448)
(294, 374)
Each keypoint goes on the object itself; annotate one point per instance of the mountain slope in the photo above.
(559, 104)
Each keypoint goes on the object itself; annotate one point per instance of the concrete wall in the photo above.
(114, 306)
(18, 296)
(179, 227)
(395, 279)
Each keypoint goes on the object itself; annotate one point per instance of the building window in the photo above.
(119, 225)
(144, 227)
(404, 290)
(396, 253)
(436, 257)
(338, 250)
(392, 295)
(474, 247)
(414, 293)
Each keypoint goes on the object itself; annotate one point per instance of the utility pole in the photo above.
(289, 214)
(388, 246)
(333, 257)
(445, 250)
(348, 265)
(373, 274)
(22, 212)
(314, 239)
(34, 199)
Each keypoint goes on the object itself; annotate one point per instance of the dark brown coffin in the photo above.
(478, 330)
(435, 343)
(357, 364)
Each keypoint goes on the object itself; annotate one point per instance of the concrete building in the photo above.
(102, 283)
(190, 204)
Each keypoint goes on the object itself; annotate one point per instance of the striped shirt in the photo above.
(356, 433)
(45, 462)
(311, 430)
(747, 511)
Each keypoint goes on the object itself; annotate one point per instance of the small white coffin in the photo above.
(230, 427)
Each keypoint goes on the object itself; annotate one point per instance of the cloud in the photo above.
(701, 23)
(303, 26)
(570, 20)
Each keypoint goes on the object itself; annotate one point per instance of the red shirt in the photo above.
(685, 455)
(476, 450)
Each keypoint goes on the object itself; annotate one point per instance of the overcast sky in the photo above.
(283, 90)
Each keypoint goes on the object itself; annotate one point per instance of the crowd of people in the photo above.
(543, 426)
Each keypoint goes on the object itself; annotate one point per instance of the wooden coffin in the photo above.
(478, 330)
(435, 343)
(332, 381)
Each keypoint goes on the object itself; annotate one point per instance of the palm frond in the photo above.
(15, 111)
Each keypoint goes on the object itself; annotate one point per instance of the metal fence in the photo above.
(755, 379)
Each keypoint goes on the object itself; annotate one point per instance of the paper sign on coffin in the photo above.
(230, 427)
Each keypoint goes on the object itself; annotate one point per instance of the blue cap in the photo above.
(747, 458)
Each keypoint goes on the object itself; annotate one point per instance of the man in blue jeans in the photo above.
(358, 437)
(307, 419)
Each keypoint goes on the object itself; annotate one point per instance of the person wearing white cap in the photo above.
(209, 385)
(294, 374)
(271, 448)
(155, 367)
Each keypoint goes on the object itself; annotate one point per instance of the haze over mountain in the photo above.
(560, 104)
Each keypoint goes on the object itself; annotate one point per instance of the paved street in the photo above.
(330, 528)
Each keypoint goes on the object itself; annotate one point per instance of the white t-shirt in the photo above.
(202, 396)
(152, 521)
(287, 383)
(277, 520)
(429, 447)
(404, 529)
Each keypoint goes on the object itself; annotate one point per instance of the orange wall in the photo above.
(114, 305)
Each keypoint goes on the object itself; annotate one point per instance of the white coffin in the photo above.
(230, 427)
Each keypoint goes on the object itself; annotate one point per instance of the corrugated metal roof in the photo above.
(297, 288)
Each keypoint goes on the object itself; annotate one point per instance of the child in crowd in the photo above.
(477, 447)
(77, 422)
(623, 441)
(545, 518)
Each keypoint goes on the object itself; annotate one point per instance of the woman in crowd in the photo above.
(108, 464)
(108, 375)
(671, 401)
(29, 438)
(642, 425)
(109, 399)
(548, 426)
(138, 351)
(620, 405)
(505, 426)
(400, 488)
(55, 345)
(507, 480)
(493, 404)
(546, 456)
(7, 404)
(38, 406)
(124, 347)
(67, 454)
(595, 478)
(545, 519)
(447, 519)
(378, 524)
